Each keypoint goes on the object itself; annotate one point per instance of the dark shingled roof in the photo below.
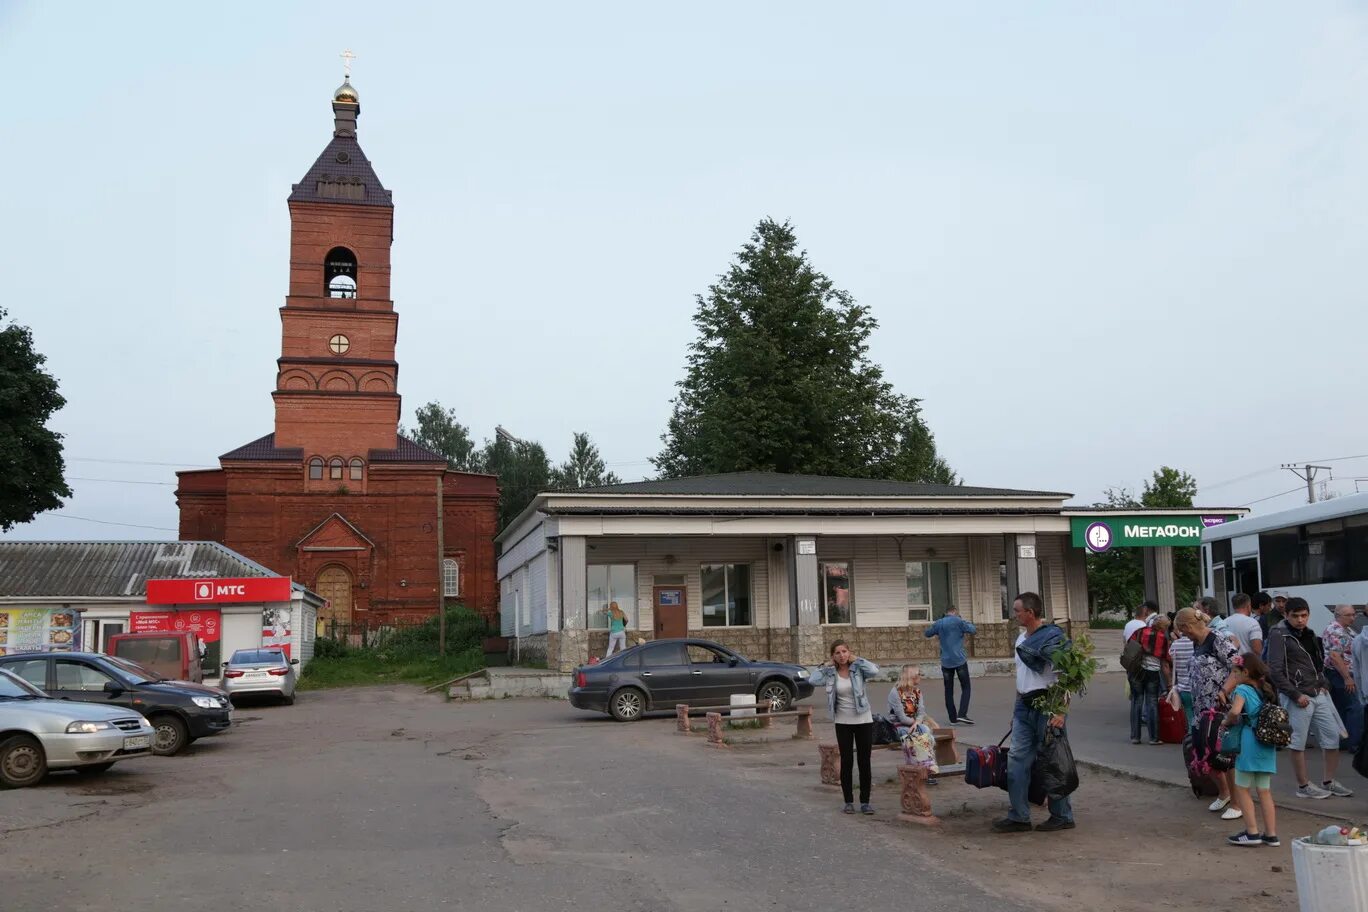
(407, 451)
(121, 569)
(264, 449)
(353, 170)
(776, 484)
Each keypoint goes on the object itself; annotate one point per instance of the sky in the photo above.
(1096, 240)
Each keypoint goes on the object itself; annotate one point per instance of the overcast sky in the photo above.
(1096, 242)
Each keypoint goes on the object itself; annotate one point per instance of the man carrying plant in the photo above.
(1035, 680)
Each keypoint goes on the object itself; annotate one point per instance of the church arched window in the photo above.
(339, 273)
(451, 578)
(335, 466)
(357, 468)
(316, 468)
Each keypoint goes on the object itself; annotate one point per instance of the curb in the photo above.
(1280, 803)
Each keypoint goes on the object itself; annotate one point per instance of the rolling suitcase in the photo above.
(1203, 786)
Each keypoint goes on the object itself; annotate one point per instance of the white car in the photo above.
(261, 671)
(42, 734)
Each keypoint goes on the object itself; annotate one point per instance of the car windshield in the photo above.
(132, 671)
(13, 687)
(257, 657)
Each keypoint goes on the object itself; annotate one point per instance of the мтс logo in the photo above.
(204, 591)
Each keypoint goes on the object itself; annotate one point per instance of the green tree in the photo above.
(584, 468)
(524, 471)
(32, 480)
(438, 430)
(1116, 578)
(779, 379)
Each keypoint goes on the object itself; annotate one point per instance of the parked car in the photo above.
(173, 654)
(38, 733)
(261, 671)
(179, 711)
(659, 674)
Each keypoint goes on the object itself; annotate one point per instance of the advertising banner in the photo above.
(275, 628)
(206, 623)
(218, 591)
(1102, 533)
(39, 630)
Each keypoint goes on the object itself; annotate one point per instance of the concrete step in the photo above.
(497, 683)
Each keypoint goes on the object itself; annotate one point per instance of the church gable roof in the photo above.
(264, 449)
(342, 174)
(407, 451)
(336, 533)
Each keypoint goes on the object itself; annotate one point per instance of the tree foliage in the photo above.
(1116, 578)
(524, 471)
(779, 380)
(32, 480)
(438, 430)
(584, 468)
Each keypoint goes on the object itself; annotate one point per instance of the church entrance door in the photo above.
(335, 585)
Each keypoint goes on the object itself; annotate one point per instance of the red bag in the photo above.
(1172, 723)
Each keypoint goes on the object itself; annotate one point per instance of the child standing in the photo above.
(1256, 762)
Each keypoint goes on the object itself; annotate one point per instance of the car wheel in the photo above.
(170, 736)
(287, 700)
(94, 769)
(776, 695)
(22, 762)
(627, 705)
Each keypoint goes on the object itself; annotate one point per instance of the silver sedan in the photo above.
(42, 734)
(261, 671)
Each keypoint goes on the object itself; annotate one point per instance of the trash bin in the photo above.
(1330, 878)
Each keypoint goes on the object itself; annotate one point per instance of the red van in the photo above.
(173, 654)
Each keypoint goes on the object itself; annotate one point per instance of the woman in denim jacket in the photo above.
(848, 702)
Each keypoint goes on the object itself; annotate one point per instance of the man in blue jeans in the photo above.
(1034, 674)
(951, 630)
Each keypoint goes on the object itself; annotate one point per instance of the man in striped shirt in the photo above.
(1180, 654)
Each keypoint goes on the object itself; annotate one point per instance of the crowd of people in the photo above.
(1202, 666)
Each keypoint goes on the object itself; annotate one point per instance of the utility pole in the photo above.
(1306, 473)
(441, 572)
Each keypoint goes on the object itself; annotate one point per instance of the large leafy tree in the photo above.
(1116, 578)
(584, 468)
(524, 471)
(440, 431)
(779, 379)
(32, 480)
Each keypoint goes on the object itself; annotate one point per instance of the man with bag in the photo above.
(1034, 675)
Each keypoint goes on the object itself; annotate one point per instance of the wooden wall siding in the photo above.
(985, 583)
(879, 577)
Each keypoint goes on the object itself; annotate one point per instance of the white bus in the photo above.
(1318, 551)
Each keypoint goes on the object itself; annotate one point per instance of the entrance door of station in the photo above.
(671, 610)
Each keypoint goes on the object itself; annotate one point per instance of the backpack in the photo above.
(1133, 657)
(1272, 726)
(1207, 756)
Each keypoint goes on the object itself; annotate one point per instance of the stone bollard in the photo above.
(804, 729)
(715, 730)
(762, 712)
(682, 718)
(916, 803)
(831, 764)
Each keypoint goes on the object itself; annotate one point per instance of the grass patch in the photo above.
(1107, 623)
(362, 668)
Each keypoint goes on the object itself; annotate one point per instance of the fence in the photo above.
(372, 634)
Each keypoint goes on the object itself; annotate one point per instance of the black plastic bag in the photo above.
(1054, 769)
(1361, 755)
(884, 730)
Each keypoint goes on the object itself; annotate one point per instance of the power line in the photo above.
(172, 465)
(121, 481)
(106, 522)
(1271, 496)
(1341, 458)
(1222, 484)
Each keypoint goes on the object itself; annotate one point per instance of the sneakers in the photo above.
(1271, 839)
(1053, 824)
(1245, 839)
(848, 809)
(1008, 825)
(964, 720)
(1156, 742)
(1312, 791)
(1218, 805)
(932, 780)
(1135, 740)
(1232, 813)
(866, 809)
(1339, 791)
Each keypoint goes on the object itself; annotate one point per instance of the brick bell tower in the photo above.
(337, 377)
(335, 497)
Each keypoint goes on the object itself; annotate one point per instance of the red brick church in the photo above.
(334, 496)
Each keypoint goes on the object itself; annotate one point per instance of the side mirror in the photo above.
(112, 689)
(225, 664)
(294, 661)
(732, 661)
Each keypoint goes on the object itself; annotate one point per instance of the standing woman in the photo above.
(1213, 658)
(617, 629)
(845, 676)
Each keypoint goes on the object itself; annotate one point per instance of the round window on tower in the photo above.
(339, 344)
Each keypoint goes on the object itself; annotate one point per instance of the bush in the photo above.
(465, 629)
(328, 648)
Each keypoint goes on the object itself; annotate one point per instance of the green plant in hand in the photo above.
(1074, 667)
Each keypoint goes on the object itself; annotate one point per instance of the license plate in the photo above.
(138, 742)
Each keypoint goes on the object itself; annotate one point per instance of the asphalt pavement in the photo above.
(381, 798)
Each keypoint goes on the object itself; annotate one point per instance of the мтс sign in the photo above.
(218, 591)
